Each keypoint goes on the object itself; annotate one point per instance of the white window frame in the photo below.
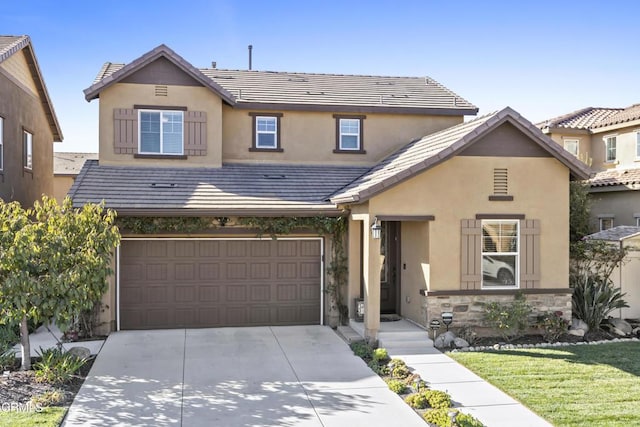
(638, 144)
(638, 221)
(161, 152)
(27, 147)
(356, 134)
(607, 140)
(267, 132)
(569, 142)
(516, 254)
(603, 219)
(1, 144)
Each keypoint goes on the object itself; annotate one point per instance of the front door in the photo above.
(390, 274)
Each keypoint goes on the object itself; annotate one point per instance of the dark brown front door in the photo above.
(389, 275)
(195, 283)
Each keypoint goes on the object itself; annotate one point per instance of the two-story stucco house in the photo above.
(443, 215)
(28, 124)
(608, 140)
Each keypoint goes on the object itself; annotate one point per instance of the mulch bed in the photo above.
(21, 386)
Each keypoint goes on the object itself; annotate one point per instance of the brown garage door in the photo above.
(206, 283)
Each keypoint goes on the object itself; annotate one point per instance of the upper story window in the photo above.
(571, 145)
(606, 222)
(638, 144)
(1, 144)
(500, 253)
(27, 158)
(266, 132)
(349, 134)
(161, 132)
(610, 148)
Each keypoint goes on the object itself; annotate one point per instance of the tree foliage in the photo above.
(579, 211)
(54, 262)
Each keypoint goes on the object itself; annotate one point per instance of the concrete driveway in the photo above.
(262, 376)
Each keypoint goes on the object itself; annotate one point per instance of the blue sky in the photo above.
(542, 58)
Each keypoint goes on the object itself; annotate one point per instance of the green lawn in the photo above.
(49, 417)
(587, 385)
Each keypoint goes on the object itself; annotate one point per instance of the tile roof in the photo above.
(615, 177)
(592, 118)
(234, 189)
(251, 87)
(615, 234)
(424, 153)
(9, 45)
(70, 163)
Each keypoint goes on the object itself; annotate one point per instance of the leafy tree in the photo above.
(54, 262)
(579, 211)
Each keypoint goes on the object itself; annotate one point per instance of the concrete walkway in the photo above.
(43, 338)
(266, 376)
(470, 393)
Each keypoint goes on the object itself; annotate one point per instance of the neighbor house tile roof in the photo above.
(615, 234)
(246, 88)
(9, 45)
(615, 177)
(233, 189)
(70, 163)
(433, 149)
(593, 118)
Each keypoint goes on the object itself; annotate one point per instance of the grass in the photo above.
(49, 417)
(586, 385)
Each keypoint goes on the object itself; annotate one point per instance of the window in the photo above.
(571, 145)
(27, 161)
(637, 221)
(638, 144)
(266, 132)
(349, 134)
(1, 144)
(610, 148)
(606, 222)
(500, 253)
(161, 132)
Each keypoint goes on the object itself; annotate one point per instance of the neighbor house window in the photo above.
(1, 144)
(638, 144)
(610, 148)
(571, 145)
(266, 132)
(27, 161)
(349, 134)
(638, 221)
(500, 253)
(606, 222)
(161, 132)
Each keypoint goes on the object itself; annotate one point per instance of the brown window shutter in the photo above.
(530, 253)
(471, 254)
(195, 133)
(125, 132)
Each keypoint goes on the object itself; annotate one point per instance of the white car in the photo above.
(497, 270)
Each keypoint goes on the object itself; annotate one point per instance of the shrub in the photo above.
(553, 325)
(7, 359)
(377, 368)
(439, 417)
(510, 320)
(362, 350)
(57, 367)
(400, 371)
(468, 334)
(48, 398)
(466, 420)
(396, 386)
(417, 400)
(380, 355)
(594, 298)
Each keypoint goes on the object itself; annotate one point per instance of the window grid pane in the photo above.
(349, 134)
(266, 132)
(611, 149)
(500, 253)
(161, 132)
(638, 144)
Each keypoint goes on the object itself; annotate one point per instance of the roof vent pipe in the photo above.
(250, 49)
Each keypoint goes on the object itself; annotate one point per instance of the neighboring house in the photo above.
(28, 124)
(626, 275)
(66, 167)
(608, 140)
(177, 141)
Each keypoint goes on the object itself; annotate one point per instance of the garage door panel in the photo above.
(210, 283)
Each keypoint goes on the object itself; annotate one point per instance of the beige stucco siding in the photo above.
(625, 148)
(61, 186)
(310, 137)
(16, 66)
(459, 189)
(126, 95)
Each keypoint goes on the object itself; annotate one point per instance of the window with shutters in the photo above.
(500, 253)
(161, 132)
